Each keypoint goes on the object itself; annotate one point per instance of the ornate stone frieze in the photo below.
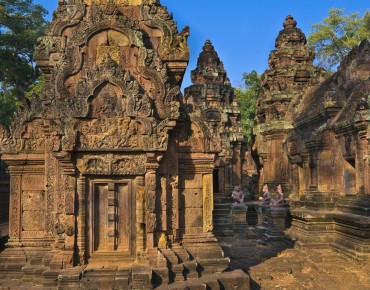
(112, 164)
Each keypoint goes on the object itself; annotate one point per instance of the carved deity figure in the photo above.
(265, 198)
(279, 200)
(237, 195)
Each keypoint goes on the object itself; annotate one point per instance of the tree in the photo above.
(21, 23)
(247, 99)
(336, 35)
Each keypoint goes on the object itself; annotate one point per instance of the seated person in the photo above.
(279, 201)
(237, 195)
(265, 199)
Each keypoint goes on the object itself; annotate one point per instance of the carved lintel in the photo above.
(112, 164)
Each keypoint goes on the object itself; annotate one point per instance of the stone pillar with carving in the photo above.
(207, 203)
(15, 200)
(140, 218)
(363, 127)
(151, 211)
(81, 219)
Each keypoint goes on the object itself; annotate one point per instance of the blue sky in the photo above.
(242, 31)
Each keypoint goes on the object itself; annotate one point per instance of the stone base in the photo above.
(345, 232)
(239, 217)
(197, 263)
(272, 223)
(236, 279)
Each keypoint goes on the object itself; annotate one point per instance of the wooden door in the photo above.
(112, 216)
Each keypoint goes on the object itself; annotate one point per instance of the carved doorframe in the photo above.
(112, 183)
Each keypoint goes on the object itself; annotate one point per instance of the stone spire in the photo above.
(210, 68)
(291, 73)
(291, 47)
(284, 84)
(211, 99)
(290, 36)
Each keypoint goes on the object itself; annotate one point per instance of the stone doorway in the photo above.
(111, 217)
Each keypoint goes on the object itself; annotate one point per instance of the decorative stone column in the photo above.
(15, 209)
(151, 198)
(140, 217)
(207, 203)
(81, 220)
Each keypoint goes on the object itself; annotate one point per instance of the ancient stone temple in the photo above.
(312, 137)
(329, 152)
(211, 101)
(290, 76)
(111, 176)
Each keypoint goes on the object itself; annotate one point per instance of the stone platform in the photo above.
(178, 267)
(277, 265)
(230, 218)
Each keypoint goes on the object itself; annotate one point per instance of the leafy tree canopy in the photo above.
(336, 35)
(21, 23)
(247, 99)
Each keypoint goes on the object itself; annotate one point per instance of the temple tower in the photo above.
(211, 99)
(290, 76)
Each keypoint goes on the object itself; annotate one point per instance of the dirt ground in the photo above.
(276, 265)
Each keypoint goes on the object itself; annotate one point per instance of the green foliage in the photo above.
(336, 35)
(36, 88)
(21, 23)
(247, 99)
(8, 106)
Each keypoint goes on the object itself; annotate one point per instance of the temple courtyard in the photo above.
(276, 265)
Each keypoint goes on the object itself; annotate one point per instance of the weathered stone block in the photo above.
(236, 279)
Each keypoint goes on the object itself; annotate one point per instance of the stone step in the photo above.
(215, 216)
(50, 278)
(222, 205)
(109, 258)
(223, 227)
(190, 270)
(223, 233)
(160, 276)
(177, 272)
(226, 221)
(221, 210)
(182, 253)
(171, 256)
(141, 277)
